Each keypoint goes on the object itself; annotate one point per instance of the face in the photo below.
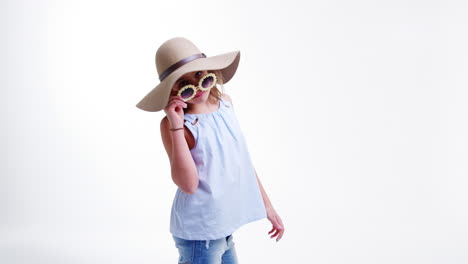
(191, 78)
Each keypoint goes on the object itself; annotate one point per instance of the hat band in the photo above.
(178, 64)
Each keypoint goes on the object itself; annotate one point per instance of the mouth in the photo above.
(198, 95)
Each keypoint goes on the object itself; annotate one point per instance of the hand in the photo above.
(276, 222)
(174, 111)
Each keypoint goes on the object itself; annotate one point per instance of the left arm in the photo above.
(274, 218)
(266, 200)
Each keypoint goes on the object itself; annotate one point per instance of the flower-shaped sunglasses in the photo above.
(189, 91)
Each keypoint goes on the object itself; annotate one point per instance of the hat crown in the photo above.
(172, 51)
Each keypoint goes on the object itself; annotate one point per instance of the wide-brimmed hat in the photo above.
(178, 56)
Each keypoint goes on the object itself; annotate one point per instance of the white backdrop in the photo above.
(354, 112)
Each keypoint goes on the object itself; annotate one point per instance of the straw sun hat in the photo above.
(178, 56)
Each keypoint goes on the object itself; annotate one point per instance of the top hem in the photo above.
(225, 234)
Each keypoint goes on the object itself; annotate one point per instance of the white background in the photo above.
(355, 113)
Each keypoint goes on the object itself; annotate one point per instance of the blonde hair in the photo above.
(215, 93)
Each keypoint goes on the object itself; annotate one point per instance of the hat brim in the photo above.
(158, 97)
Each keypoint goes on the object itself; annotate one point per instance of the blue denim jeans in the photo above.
(219, 251)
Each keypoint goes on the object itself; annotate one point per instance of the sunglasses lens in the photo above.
(208, 82)
(187, 93)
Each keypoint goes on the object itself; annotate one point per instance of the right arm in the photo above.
(183, 168)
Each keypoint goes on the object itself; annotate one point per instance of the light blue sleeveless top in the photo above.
(228, 194)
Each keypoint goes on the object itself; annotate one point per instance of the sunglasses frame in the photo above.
(195, 88)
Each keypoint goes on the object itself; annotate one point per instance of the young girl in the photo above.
(218, 189)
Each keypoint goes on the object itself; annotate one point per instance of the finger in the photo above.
(175, 98)
(271, 230)
(178, 103)
(175, 105)
(280, 235)
(178, 98)
(172, 99)
(181, 101)
(275, 234)
(172, 103)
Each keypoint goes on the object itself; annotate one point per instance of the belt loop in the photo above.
(207, 244)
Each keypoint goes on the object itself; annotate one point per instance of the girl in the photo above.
(218, 189)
